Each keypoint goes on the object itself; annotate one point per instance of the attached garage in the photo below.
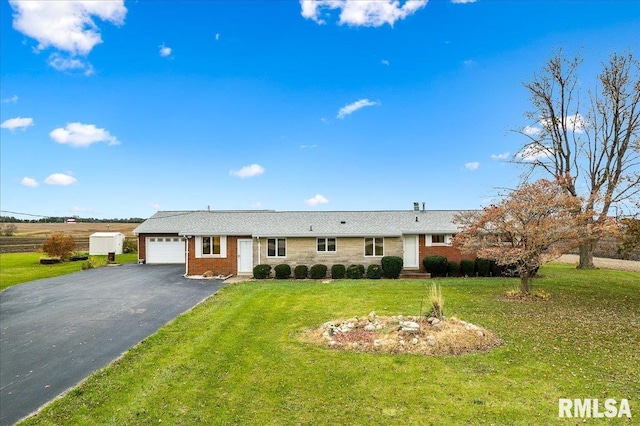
(165, 250)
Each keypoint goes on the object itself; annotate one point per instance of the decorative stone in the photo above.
(369, 327)
(479, 333)
(414, 341)
(410, 324)
(430, 319)
(435, 321)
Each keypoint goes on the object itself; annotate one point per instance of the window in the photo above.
(327, 245)
(210, 245)
(374, 246)
(437, 238)
(276, 247)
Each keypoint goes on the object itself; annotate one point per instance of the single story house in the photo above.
(233, 242)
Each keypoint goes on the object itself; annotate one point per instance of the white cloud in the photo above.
(66, 25)
(155, 206)
(534, 152)
(165, 50)
(217, 36)
(353, 107)
(30, 182)
(308, 146)
(367, 13)
(256, 205)
(60, 63)
(17, 123)
(248, 171)
(469, 63)
(463, 1)
(318, 199)
(531, 131)
(473, 165)
(384, 62)
(60, 179)
(12, 100)
(82, 135)
(502, 156)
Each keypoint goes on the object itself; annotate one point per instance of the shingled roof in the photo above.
(269, 223)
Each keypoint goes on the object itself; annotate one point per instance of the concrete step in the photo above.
(415, 275)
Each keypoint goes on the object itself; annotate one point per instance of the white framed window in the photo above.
(276, 247)
(211, 246)
(326, 245)
(438, 239)
(374, 246)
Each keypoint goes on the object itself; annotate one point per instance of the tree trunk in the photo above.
(524, 282)
(586, 254)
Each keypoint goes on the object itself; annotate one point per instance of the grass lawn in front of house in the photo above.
(237, 359)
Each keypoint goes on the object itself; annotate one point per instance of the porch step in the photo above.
(415, 275)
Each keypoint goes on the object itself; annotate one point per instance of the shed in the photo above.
(106, 242)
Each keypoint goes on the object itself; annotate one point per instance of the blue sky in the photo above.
(120, 109)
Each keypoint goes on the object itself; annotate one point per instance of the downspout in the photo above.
(186, 241)
(259, 252)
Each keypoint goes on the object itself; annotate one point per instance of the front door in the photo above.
(245, 257)
(410, 251)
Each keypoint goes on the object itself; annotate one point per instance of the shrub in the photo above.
(318, 272)
(87, 265)
(301, 272)
(436, 265)
(355, 272)
(483, 267)
(8, 229)
(468, 268)
(453, 268)
(374, 272)
(261, 272)
(130, 245)
(59, 245)
(338, 272)
(282, 271)
(392, 266)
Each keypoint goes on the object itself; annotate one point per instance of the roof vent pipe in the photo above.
(423, 204)
(416, 206)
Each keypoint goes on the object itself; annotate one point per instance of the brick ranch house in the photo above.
(233, 242)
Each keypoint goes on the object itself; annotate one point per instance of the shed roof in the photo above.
(265, 223)
(106, 234)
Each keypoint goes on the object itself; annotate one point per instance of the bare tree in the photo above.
(588, 143)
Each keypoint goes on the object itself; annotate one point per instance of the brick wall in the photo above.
(451, 253)
(219, 266)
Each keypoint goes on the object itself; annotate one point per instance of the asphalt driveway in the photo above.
(57, 331)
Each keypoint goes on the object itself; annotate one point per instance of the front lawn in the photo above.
(236, 358)
(18, 268)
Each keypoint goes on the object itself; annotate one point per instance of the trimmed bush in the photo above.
(300, 272)
(374, 272)
(355, 272)
(436, 265)
(483, 267)
(392, 266)
(261, 272)
(282, 271)
(453, 268)
(468, 268)
(338, 272)
(318, 272)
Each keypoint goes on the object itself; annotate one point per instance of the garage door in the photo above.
(165, 250)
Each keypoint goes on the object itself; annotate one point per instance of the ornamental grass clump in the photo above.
(437, 301)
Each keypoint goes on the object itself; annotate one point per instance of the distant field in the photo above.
(30, 236)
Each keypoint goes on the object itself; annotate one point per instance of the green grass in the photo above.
(18, 268)
(236, 359)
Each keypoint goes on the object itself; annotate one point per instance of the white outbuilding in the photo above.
(106, 242)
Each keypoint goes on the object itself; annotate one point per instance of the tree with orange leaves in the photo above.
(532, 225)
